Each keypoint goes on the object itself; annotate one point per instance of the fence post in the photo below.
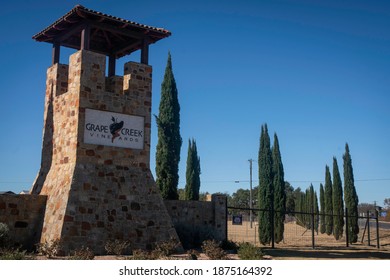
(273, 226)
(368, 228)
(346, 227)
(377, 228)
(312, 227)
(226, 218)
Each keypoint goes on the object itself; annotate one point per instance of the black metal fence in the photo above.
(301, 229)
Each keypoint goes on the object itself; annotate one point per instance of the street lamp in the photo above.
(250, 191)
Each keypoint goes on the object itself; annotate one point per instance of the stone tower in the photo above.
(96, 141)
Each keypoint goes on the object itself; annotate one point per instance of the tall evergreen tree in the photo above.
(266, 191)
(169, 139)
(322, 211)
(316, 212)
(309, 206)
(350, 197)
(338, 204)
(328, 202)
(299, 206)
(290, 198)
(279, 191)
(192, 172)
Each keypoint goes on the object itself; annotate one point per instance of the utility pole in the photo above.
(250, 191)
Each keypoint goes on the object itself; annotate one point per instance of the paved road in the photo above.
(382, 225)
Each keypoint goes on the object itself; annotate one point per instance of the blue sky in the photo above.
(317, 72)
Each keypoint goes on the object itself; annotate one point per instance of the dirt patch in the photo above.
(297, 243)
(299, 237)
(327, 254)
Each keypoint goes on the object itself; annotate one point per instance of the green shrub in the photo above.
(213, 251)
(14, 254)
(4, 236)
(247, 251)
(117, 247)
(229, 245)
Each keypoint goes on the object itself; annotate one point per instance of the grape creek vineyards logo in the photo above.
(115, 127)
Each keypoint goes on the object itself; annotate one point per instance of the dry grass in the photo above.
(297, 244)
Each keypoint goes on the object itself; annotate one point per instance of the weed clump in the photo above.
(166, 248)
(50, 249)
(4, 236)
(84, 253)
(117, 247)
(247, 251)
(213, 251)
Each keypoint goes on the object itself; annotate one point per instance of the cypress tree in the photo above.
(328, 202)
(192, 172)
(169, 139)
(316, 212)
(299, 208)
(265, 194)
(290, 198)
(322, 211)
(350, 197)
(309, 207)
(338, 204)
(279, 191)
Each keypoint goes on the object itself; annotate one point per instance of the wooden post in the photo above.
(272, 225)
(85, 37)
(111, 65)
(56, 53)
(368, 228)
(145, 51)
(377, 228)
(312, 227)
(346, 227)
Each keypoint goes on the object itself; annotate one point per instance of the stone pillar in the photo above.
(219, 202)
(56, 84)
(137, 86)
(98, 193)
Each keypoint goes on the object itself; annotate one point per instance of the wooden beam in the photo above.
(118, 30)
(124, 48)
(70, 32)
(107, 39)
(56, 53)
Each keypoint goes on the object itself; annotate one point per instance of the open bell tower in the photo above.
(96, 139)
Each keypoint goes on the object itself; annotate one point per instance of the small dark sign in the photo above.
(237, 220)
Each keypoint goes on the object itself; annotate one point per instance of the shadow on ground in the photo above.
(326, 253)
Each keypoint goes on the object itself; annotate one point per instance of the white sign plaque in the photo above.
(113, 129)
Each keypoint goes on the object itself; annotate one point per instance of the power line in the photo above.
(14, 182)
(293, 181)
(236, 181)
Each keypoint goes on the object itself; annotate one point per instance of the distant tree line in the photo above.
(328, 208)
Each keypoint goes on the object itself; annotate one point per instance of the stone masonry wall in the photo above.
(24, 216)
(56, 84)
(196, 221)
(95, 192)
